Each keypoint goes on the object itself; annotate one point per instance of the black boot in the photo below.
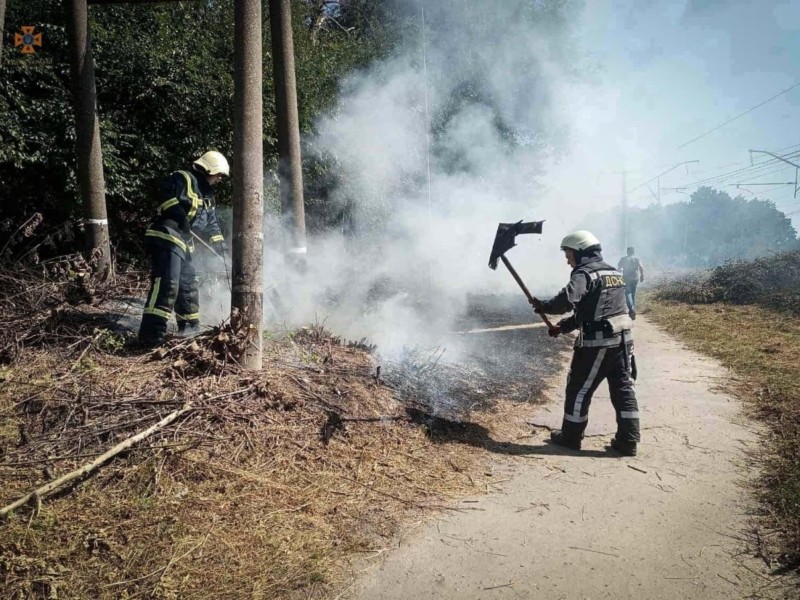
(149, 341)
(558, 438)
(188, 330)
(624, 448)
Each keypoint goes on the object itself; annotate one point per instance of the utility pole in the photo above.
(247, 295)
(782, 159)
(658, 177)
(87, 137)
(624, 206)
(290, 170)
(624, 210)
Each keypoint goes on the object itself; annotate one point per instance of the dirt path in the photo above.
(666, 524)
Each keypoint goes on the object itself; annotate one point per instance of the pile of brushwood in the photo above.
(772, 282)
(61, 304)
(744, 314)
(174, 473)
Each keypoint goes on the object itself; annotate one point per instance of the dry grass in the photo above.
(771, 282)
(265, 491)
(273, 482)
(762, 347)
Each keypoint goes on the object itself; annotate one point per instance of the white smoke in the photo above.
(424, 190)
(401, 271)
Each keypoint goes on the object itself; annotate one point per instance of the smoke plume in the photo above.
(430, 154)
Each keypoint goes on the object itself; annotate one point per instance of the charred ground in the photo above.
(270, 483)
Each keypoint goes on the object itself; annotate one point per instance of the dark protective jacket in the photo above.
(596, 295)
(186, 203)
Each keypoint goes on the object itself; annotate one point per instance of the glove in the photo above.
(554, 331)
(537, 306)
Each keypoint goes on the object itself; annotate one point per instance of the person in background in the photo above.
(186, 204)
(633, 273)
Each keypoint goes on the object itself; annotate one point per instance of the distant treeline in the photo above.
(708, 230)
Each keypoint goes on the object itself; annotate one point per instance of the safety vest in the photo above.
(602, 314)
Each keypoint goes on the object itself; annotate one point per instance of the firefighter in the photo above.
(604, 347)
(633, 272)
(186, 203)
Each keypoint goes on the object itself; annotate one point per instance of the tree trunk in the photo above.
(87, 130)
(248, 179)
(290, 168)
(2, 28)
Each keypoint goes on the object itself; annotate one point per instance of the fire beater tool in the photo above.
(273, 293)
(504, 240)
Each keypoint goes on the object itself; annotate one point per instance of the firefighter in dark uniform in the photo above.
(604, 347)
(186, 204)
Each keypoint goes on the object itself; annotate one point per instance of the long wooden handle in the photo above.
(521, 283)
(209, 248)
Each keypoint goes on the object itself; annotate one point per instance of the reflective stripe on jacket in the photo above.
(186, 203)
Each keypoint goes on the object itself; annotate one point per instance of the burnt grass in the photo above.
(272, 482)
(745, 314)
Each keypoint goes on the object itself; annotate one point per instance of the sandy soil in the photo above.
(666, 524)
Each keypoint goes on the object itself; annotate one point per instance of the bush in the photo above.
(772, 282)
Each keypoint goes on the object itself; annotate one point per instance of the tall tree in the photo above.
(708, 230)
(2, 28)
(290, 169)
(87, 136)
(248, 179)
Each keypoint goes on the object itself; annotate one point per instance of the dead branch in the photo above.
(89, 467)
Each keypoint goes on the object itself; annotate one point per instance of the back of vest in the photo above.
(606, 297)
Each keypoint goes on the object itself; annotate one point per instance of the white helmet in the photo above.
(579, 240)
(213, 163)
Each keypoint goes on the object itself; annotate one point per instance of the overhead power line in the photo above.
(740, 115)
(758, 170)
(658, 177)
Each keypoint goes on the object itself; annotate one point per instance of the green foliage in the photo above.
(109, 342)
(710, 229)
(165, 94)
(37, 135)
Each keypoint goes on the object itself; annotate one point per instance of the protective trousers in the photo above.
(173, 286)
(630, 293)
(588, 369)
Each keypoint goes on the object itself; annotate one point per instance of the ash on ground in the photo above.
(500, 352)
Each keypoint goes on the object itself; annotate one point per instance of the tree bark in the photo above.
(87, 130)
(290, 170)
(2, 28)
(248, 179)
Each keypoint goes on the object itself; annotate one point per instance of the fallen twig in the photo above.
(497, 587)
(89, 467)
(595, 551)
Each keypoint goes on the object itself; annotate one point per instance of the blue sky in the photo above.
(664, 72)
